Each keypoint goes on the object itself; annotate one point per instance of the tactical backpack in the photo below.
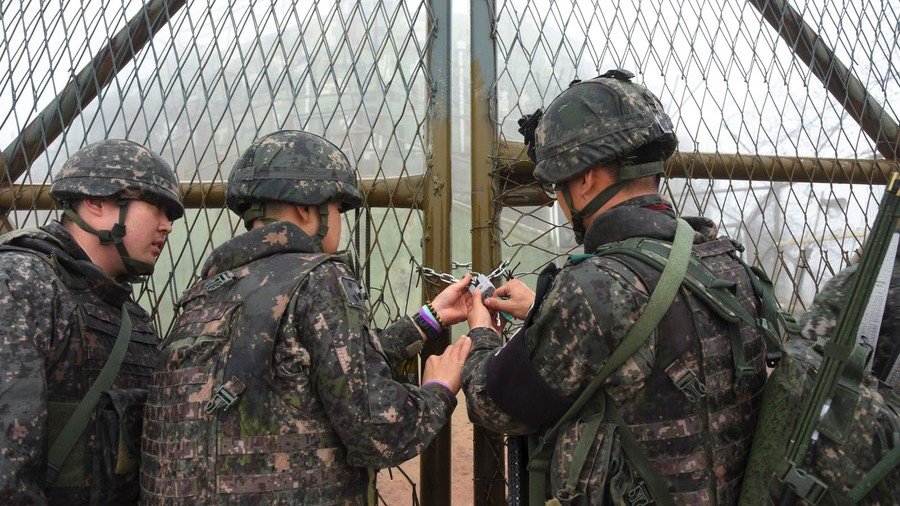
(584, 458)
(826, 434)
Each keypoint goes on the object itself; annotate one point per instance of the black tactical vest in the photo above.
(215, 430)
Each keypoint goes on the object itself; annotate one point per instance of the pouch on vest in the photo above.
(118, 430)
(606, 476)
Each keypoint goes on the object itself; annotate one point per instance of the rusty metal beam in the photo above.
(434, 473)
(517, 186)
(835, 76)
(84, 87)
(488, 448)
(403, 192)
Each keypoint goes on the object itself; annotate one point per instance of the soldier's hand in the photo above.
(452, 304)
(519, 301)
(479, 315)
(446, 368)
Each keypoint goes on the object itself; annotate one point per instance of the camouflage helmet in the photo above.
(111, 167)
(294, 167)
(605, 119)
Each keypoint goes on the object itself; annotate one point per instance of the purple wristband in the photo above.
(441, 383)
(427, 316)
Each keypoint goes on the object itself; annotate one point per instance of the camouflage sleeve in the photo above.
(821, 318)
(26, 308)
(401, 341)
(480, 406)
(380, 421)
(580, 321)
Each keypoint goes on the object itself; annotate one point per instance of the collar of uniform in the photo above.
(271, 239)
(645, 216)
(76, 262)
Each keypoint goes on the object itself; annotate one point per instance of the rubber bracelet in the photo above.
(428, 328)
(428, 317)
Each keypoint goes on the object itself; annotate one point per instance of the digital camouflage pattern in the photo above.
(109, 167)
(822, 317)
(60, 316)
(600, 120)
(851, 440)
(699, 448)
(283, 328)
(855, 435)
(295, 167)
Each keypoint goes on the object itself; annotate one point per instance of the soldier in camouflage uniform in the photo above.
(62, 292)
(822, 317)
(602, 144)
(276, 389)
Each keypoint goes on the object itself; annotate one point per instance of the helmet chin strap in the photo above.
(116, 236)
(323, 225)
(626, 174)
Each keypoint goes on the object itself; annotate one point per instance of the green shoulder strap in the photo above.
(839, 351)
(656, 308)
(73, 429)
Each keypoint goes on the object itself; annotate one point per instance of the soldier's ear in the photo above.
(92, 206)
(305, 214)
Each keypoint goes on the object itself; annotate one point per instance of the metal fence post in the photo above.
(488, 447)
(434, 478)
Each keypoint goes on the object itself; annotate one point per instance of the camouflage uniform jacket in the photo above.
(699, 448)
(284, 328)
(60, 317)
(822, 317)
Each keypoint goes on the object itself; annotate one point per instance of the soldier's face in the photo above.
(333, 238)
(146, 230)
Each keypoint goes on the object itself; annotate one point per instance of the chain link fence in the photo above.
(738, 91)
(199, 81)
(217, 75)
(733, 87)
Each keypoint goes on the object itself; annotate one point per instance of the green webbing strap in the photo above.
(875, 475)
(837, 352)
(256, 211)
(582, 449)
(772, 314)
(323, 222)
(656, 308)
(638, 458)
(71, 432)
(715, 293)
(845, 334)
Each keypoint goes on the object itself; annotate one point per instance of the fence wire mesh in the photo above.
(215, 77)
(217, 74)
(732, 85)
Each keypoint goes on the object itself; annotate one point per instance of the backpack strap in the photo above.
(670, 280)
(71, 432)
(839, 354)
